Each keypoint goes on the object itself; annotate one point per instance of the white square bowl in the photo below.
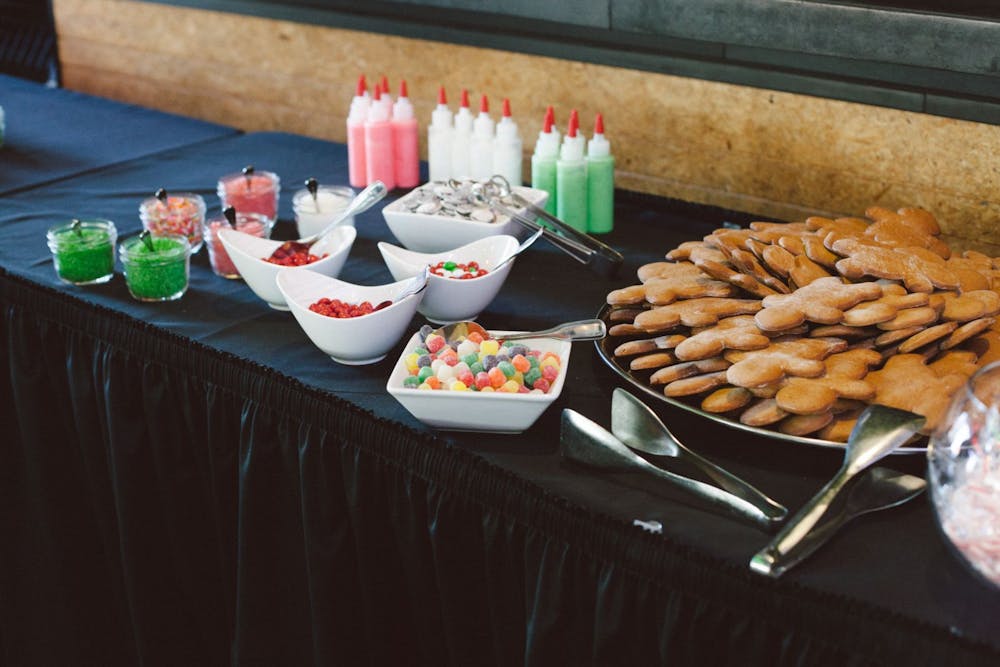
(436, 233)
(494, 412)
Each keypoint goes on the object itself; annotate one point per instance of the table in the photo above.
(52, 133)
(195, 483)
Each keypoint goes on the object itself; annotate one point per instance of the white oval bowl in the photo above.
(351, 340)
(436, 233)
(495, 412)
(248, 252)
(450, 299)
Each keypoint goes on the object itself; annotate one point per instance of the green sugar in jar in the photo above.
(156, 267)
(83, 251)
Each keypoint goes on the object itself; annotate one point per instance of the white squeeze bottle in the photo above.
(507, 154)
(481, 147)
(461, 137)
(543, 160)
(571, 177)
(439, 140)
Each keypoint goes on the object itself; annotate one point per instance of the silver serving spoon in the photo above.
(572, 331)
(879, 430)
(638, 427)
(367, 198)
(586, 442)
(876, 489)
(417, 284)
(519, 249)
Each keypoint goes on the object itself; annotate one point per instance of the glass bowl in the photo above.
(964, 474)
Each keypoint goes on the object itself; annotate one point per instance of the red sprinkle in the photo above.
(287, 254)
(339, 309)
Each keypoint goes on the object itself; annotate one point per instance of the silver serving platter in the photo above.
(605, 349)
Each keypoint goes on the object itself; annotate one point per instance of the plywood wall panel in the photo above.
(776, 155)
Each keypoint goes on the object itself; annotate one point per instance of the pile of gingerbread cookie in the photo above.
(798, 326)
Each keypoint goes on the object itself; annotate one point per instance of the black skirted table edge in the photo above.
(180, 489)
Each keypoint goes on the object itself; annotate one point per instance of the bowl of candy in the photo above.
(354, 324)
(259, 260)
(174, 213)
(963, 473)
(438, 216)
(463, 281)
(479, 383)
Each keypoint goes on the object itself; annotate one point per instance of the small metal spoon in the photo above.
(519, 249)
(364, 201)
(367, 198)
(586, 442)
(876, 489)
(417, 284)
(229, 213)
(572, 331)
(312, 185)
(879, 430)
(638, 427)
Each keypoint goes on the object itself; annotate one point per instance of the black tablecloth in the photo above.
(194, 482)
(52, 133)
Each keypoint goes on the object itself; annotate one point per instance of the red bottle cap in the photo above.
(385, 84)
(465, 98)
(550, 120)
(484, 105)
(599, 124)
(442, 98)
(402, 88)
(574, 123)
(506, 108)
(377, 95)
(362, 86)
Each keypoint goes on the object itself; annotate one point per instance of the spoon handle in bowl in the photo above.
(574, 331)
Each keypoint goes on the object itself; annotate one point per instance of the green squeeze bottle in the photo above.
(600, 182)
(543, 160)
(571, 178)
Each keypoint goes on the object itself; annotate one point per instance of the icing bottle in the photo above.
(461, 137)
(404, 141)
(571, 178)
(543, 160)
(379, 161)
(386, 97)
(507, 151)
(356, 173)
(600, 182)
(481, 146)
(439, 140)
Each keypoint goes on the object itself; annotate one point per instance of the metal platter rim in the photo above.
(608, 359)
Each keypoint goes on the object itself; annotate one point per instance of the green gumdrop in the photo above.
(531, 376)
(424, 373)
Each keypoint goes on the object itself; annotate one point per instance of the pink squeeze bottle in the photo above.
(379, 162)
(404, 140)
(356, 170)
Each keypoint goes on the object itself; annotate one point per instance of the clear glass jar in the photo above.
(257, 192)
(183, 213)
(312, 215)
(964, 474)
(160, 273)
(83, 251)
(254, 224)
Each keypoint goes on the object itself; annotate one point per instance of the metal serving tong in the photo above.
(586, 442)
(638, 427)
(498, 195)
(879, 431)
